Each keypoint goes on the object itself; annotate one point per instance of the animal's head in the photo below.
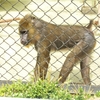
(28, 27)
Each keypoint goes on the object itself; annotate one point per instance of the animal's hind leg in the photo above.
(77, 54)
(85, 70)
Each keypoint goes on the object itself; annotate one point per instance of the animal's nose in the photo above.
(24, 42)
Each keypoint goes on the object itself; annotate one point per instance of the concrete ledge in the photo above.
(89, 10)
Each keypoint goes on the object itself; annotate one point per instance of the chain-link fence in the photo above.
(18, 62)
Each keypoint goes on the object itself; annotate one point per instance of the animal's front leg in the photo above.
(43, 59)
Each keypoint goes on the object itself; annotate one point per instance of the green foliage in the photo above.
(98, 93)
(80, 95)
(40, 89)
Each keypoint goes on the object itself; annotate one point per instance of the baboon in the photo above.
(46, 37)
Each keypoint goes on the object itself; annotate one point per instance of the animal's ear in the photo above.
(32, 18)
(38, 23)
(35, 21)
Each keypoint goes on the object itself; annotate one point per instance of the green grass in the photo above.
(40, 89)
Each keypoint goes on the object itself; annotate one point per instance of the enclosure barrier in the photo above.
(18, 62)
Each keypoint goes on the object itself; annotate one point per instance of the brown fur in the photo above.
(46, 36)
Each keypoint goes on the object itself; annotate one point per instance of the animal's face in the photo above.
(27, 30)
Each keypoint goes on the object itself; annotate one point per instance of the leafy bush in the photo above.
(98, 93)
(40, 89)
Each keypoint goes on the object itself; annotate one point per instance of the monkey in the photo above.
(46, 37)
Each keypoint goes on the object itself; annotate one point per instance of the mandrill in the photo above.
(46, 37)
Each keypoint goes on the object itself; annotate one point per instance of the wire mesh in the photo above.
(18, 62)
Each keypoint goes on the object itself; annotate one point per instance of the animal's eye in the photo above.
(24, 31)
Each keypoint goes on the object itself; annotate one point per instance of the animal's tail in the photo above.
(90, 24)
